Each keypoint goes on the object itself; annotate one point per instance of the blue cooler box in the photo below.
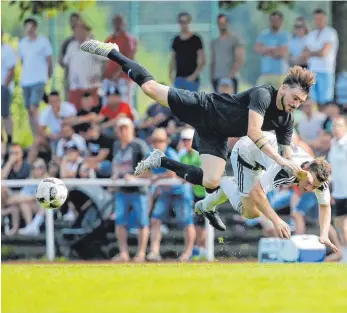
(300, 248)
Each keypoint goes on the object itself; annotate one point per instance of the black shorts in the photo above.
(341, 207)
(191, 108)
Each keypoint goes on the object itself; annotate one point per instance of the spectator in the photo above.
(87, 114)
(321, 49)
(272, 45)
(338, 160)
(332, 111)
(71, 161)
(191, 157)
(35, 52)
(114, 76)
(127, 152)
(85, 171)
(169, 197)
(187, 57)
(227, 54)
(8, 63)
(309, 128)
(69, 137)
(297, 43)
(84, 68)
(9, 210)
(50, 123)
(226, 85)
(74, 19)
(156, 116)
(114, 109)
(27, 203)
(15, 167)
(100, 151)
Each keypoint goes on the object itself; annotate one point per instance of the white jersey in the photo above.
(273, 176)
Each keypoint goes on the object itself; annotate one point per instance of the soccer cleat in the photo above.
(153, 161)
(212, 216)
(98, 47)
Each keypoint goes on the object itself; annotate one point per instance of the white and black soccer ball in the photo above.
(51, 193)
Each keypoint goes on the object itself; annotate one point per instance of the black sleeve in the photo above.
(284, 133)
(199, 44)
(260, 100)
(106, 143)
(174, 44)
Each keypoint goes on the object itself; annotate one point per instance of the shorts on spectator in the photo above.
(308, 205)
(5, 101)
(322, 91)
(183, 83)
(341, 207)
(33, 95)
(135, 201)
(215, 84)
(75, 96)
(270, 79)
(183, 212)
(199, 219)
(105, 169)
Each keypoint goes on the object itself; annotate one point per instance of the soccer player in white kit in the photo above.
(256, 175)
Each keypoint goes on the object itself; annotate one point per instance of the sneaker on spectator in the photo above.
(121, 258)
(29, 230)
(153, 257)
(184, 257)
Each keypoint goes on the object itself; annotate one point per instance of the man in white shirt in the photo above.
(85, 70)
(35, 52)
(256, 175)
(321, 49)
(338, 159)
(50, 122)
(8, 63)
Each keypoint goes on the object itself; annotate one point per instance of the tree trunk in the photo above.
(339, 21)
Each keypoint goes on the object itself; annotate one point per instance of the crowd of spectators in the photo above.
(92, 129)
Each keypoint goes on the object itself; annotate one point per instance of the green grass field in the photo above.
(168, 288)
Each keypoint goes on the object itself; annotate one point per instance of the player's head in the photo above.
(184, 19)
(340, 126)
(317, 172)
(295, 88)
(276, 20)
(320, 18)
(30, 26)
(223, 22)
(159, 139)
(118, 23)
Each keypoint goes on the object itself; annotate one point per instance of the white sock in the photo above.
(213, 199)
(232, 192)
(38, 220)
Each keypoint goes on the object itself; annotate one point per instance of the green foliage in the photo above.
(265, 6)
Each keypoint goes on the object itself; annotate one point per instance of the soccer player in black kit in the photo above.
(217, 116)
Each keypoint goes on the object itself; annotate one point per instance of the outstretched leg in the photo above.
(135, 71)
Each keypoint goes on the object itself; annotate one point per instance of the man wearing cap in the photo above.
(193, 193)
(126, 153)
(169, 197)
(71, 161)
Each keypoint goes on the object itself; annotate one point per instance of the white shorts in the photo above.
(245, 177)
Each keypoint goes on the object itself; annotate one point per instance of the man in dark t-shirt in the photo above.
(187, 58)
(217, 116)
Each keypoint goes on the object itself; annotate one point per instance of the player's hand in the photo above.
(326, 241)
(291, 167)
(282, 228)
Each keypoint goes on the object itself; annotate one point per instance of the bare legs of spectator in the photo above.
(14, 213)
(122, 238)
(200, 236)
(142, 240)
(300, 224)
(33, 116)
(33, 227)
(189, 238)
(334, 237)
(154, 254)
(341, 225)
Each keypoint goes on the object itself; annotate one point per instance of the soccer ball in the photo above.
(51, 193)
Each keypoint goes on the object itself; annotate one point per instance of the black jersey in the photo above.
(228, 114)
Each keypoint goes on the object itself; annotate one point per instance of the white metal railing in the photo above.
(50, 245)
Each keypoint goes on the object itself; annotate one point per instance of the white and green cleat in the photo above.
(98, 47)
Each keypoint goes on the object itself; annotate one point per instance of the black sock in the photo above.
(208, 190)
(134, 70)
(190, 173)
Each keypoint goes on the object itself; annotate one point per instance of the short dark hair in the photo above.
(300, 77)
(277, 13)
(75, 14)
(222, 15)
(184, 14)
(30, 20)
(321, 168)
(54, 93)
(86, 95)
(319, 11)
